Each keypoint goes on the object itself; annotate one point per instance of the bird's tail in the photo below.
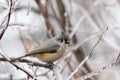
(18, 58)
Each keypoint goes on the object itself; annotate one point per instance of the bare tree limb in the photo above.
(98, 72)
(8, 20)
(86, 58)
(27, 61)
(43, 10)
(9, 60)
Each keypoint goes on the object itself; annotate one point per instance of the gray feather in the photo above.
(49, 47)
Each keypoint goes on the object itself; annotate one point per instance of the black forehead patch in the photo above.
(63, 36)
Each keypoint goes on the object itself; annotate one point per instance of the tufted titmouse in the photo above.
(51, 49)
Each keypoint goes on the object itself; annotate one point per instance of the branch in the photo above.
(87, 57)
(98, 72)
(8, 20)
(27, 61)
(9, 60)
(43, 10)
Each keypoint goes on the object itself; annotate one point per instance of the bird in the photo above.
(50, 50)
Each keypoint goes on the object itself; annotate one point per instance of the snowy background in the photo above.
(92, 25)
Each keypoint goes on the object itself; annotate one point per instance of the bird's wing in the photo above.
(46, 49)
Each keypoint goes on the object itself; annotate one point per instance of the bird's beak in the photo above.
(67, 41)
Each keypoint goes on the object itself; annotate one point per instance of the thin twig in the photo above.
(86, 58)
(98, 72)
(29, 7)
(14, 8)
(77, 26)
(8, 20)
(5, 58)
(55, 16)
(79, 66)
(75, 47)
(29, 75)
(43, 10)
(27, 61)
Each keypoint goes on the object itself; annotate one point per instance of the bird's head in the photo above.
(62, 37)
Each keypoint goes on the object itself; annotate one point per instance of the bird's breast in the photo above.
(51, 57)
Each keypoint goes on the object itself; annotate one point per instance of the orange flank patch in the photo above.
(44, 55)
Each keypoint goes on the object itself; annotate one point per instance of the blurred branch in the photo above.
(29, 7)
(31, 63)
(8, 20)
(86, 58)
(77, 26)
(76, 46)
(14, 7)
(43, 10)
(98, 72)
(3, 6)
(61, 18)
(26, 8)
(9, 60)
(61, 9)
(77, 51)
(23, 41)
(71, 67)
(27, 61)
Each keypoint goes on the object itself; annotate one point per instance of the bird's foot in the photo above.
(53, 67)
